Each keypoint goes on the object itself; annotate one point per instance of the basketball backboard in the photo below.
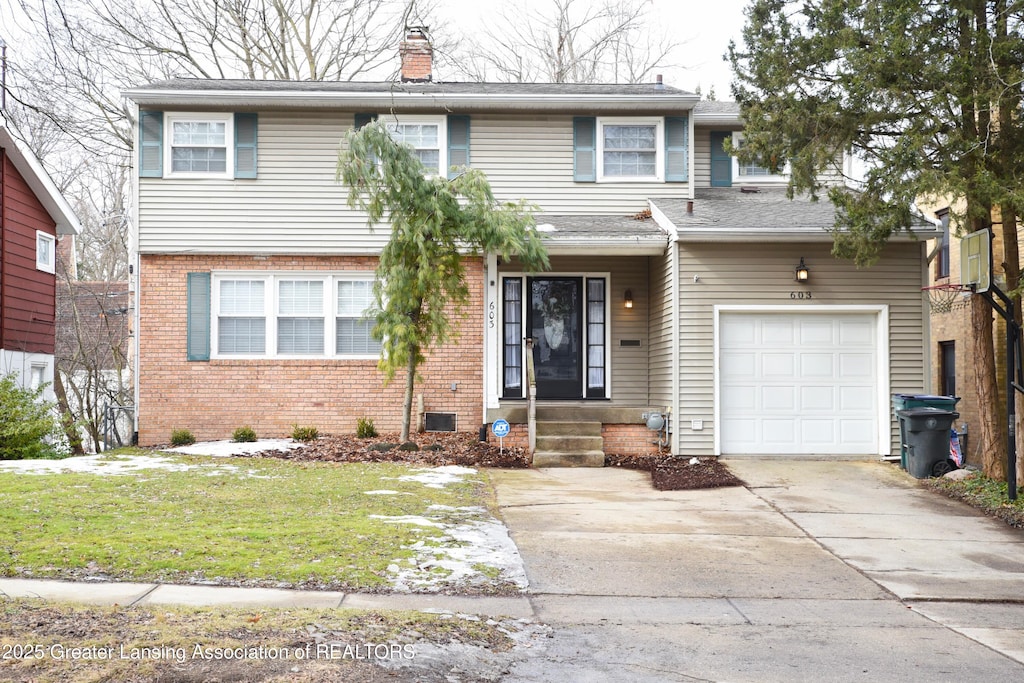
(976, 260)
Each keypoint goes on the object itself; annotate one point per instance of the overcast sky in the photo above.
(702, 27)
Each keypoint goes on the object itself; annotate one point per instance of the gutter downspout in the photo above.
(3, 244)
(135, 278)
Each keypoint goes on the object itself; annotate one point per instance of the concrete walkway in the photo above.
(818, 571)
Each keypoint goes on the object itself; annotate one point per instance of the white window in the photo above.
(427, 135)
(46, 252)
(296, 312)
(200, 145)
(752, 172)
(630, 149)
(38, 376)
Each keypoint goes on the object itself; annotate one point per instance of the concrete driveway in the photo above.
(816, 571)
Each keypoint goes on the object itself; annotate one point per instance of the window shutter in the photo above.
(245, 145)
(677, 153)
(584, 138)
(198, 336)
(458, 143)
(151, 147)
(363, 119)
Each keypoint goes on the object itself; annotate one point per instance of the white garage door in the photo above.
(798, 383)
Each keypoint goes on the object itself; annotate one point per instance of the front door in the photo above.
(554, 318)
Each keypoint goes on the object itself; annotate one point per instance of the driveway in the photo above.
(815, 571)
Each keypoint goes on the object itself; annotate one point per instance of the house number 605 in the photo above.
(800, 295)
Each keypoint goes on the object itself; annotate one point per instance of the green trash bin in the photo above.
(927, 441)
(908, 401)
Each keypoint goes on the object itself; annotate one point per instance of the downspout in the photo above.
(135, 278)
(3, 246)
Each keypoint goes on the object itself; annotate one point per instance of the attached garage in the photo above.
(810, 381)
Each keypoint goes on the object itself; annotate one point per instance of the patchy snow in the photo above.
(219, 449)
(383, 492)
(439, 477)
(111, 465)
(474, 540)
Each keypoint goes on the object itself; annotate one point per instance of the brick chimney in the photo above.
(417, 55)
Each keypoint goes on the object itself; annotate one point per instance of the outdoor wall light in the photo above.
(803, 273)
(629, 298)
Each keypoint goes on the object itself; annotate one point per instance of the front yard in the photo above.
(140, 516)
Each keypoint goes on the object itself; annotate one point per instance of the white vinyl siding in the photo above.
(744, 275)
(296, 206)
(290, 315)
(660, 331)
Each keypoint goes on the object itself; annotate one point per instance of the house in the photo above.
(33, 217)
(672, 290)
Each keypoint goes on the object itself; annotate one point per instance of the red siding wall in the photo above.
(213, 398)
(27, 295)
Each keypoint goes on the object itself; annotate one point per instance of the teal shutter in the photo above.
(458, 144)
(363, 119)
(584, 149)
(198, 316)
(245, 145)
(677, 152)
(721, 162)
(151, 144)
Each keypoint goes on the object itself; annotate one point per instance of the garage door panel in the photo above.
(798, 383)
(778, 364)
(817, 365)
(817, 399)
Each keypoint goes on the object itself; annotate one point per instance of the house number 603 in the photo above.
(490, 314)
(800, 295)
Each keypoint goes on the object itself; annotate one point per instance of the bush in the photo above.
(409, 446)
(382, 447)
(182, 437)
(26, 422)
(305, 433)
(365, 428)
(244, 434)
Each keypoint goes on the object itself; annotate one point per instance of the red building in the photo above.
(33, 217)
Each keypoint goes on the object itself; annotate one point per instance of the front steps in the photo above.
(566, 442)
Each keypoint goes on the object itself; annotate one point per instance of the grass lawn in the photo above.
(245, 521)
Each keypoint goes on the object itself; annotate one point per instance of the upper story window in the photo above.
(942, 256)
(630, 149)
(46, 252)
(199, 144)
(426, 135)
(292, 315)
(752, 172)
(194, 145)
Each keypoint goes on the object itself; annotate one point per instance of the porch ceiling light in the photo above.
(803, 273)
(629, 298)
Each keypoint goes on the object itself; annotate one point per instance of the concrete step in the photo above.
(562, 459)
(563, 414)
(568, 428)
(569, 444)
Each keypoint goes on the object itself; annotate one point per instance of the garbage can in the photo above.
(927, 442)
(907, 401)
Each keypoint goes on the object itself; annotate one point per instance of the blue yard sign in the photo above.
(500, 428)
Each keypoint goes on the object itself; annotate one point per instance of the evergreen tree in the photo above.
(435, 223)
(928, 94)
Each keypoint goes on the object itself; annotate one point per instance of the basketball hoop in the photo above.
(945, 298)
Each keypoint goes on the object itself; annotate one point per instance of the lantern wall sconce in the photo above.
(629, 298)
(803, 273)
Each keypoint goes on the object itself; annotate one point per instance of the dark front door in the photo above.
(555, 321)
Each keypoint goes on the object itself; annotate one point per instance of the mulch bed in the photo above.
(676, 473)
(668, 472)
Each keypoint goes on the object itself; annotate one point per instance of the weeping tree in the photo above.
(928, 94)
(435, 223)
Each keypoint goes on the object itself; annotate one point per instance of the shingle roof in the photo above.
(754, 213)
(626, 232)
(436, 88)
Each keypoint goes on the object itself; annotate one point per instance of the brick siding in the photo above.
(213, 398)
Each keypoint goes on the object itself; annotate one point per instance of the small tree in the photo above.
(435, 222)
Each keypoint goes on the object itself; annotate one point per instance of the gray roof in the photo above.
(432, 88)
(754, 213)
(714, 107)
(614, 234)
